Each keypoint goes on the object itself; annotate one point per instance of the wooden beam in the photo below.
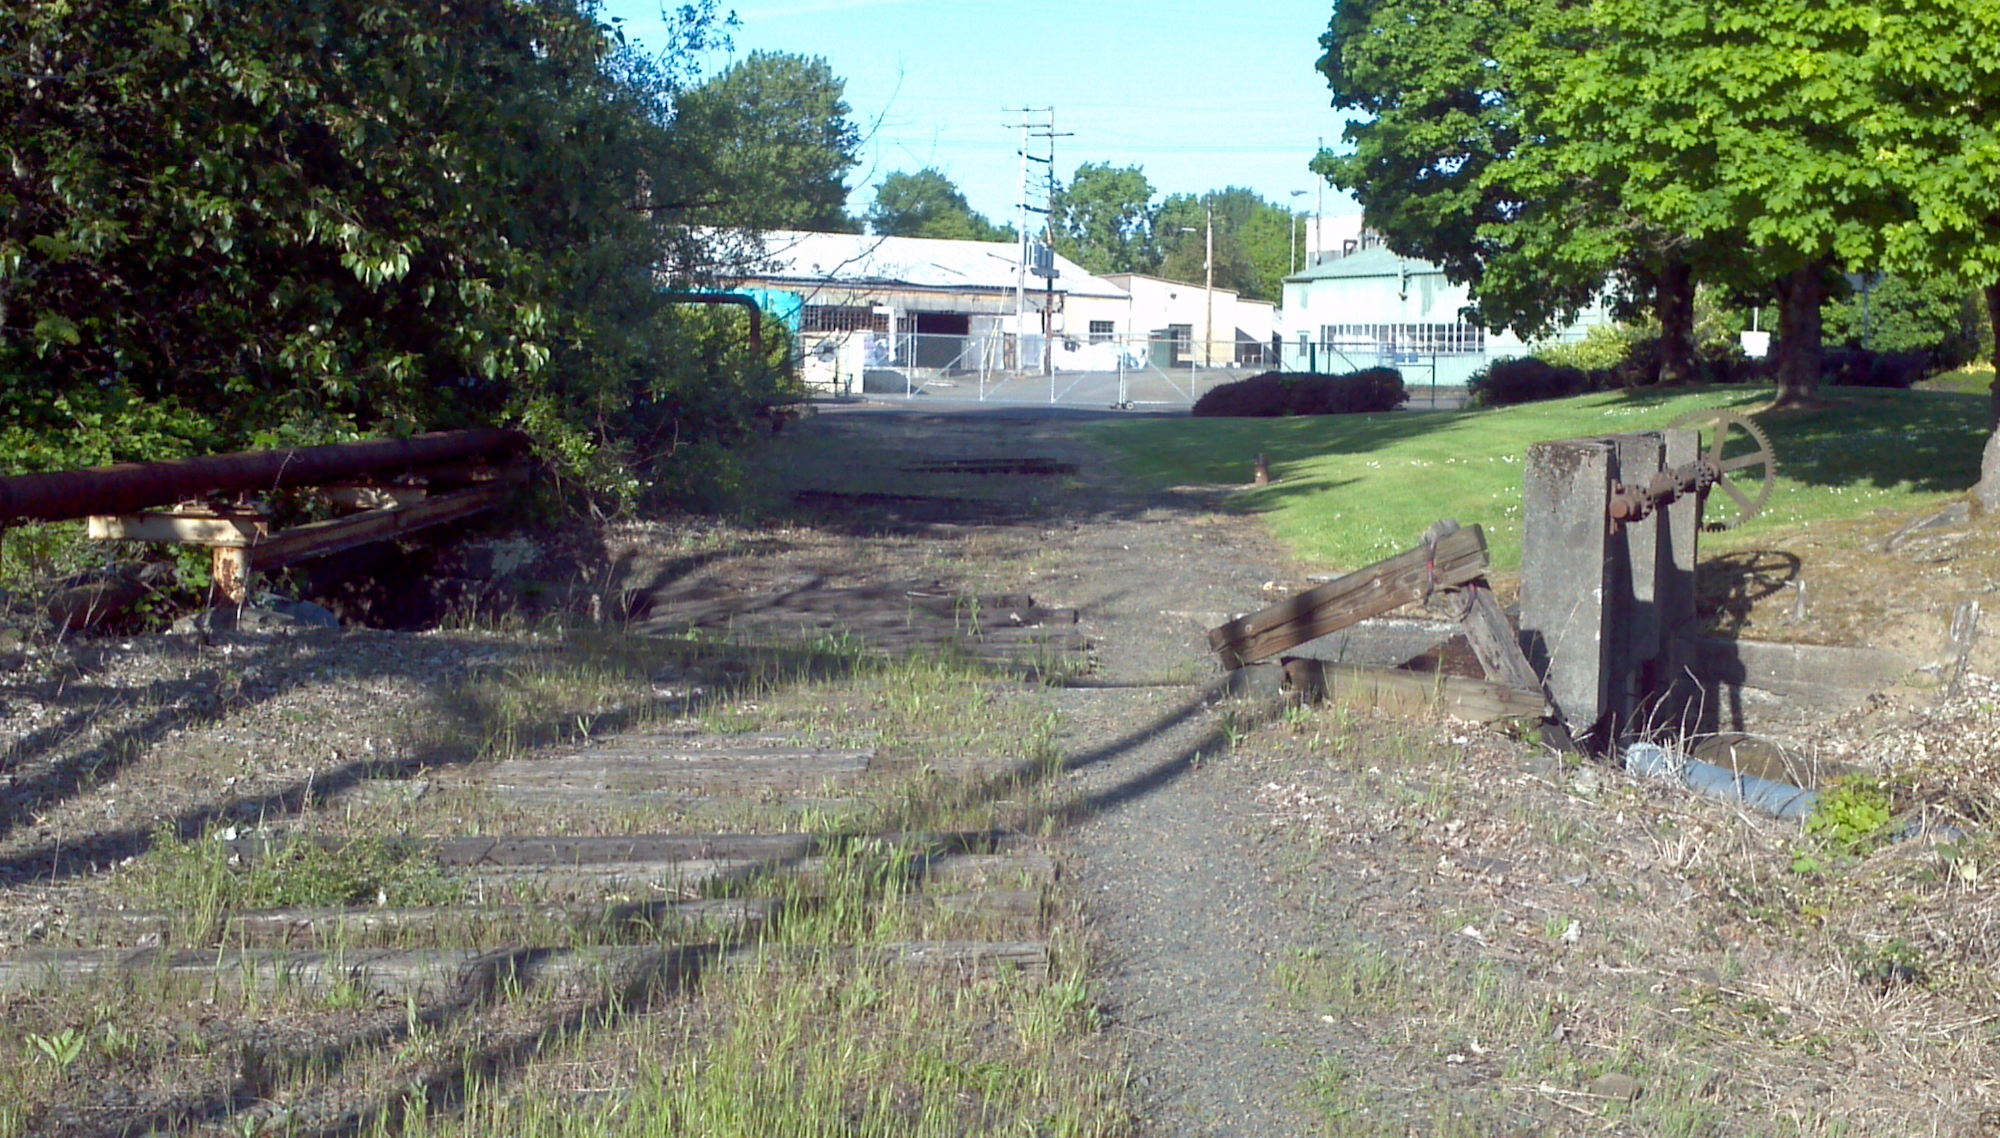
(300, 543)
(1494, 640)
(312, 927)
(1457, 558)
(317, 539)
(459, 973)
(1404, 693)
(181, 528)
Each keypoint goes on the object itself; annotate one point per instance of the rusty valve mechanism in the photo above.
(1704, 475)
(1631, 503)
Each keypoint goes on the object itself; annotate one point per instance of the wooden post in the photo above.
(1263, 476)
(232, 572)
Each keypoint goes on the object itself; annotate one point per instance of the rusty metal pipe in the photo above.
(132, 486)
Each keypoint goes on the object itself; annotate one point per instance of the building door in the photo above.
(940, 338)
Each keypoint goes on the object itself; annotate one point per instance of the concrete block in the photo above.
(1568, 602)
(1748, 683)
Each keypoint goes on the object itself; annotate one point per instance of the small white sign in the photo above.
(1756, 345)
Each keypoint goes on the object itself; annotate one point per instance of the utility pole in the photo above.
(1319, 210)
(1038, 123)
(1026, 126)
(1208, 286)
(1049, 238)
(1292, 214)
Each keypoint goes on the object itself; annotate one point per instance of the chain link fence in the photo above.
(1125, 372)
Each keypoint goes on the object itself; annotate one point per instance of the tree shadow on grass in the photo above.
(1860, 436)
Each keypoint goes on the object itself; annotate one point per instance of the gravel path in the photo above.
(1178, 889)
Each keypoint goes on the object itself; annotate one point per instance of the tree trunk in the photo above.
(1799, 296)
(1993, 317)
(1674, 300)
(1988, 489)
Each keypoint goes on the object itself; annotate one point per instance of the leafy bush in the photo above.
(1603, 347)
(1526, 380)
(1859, 367)
(232, 223)
(1852, 818)
(1274, 394)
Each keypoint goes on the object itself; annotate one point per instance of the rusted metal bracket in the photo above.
(1631, 503)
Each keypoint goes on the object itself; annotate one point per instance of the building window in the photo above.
(1101, 330)
(842, 318)
(1390, 340)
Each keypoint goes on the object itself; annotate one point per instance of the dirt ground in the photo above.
(1303, 920)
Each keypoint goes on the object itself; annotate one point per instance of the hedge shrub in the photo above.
(1274, 394)
(1526, 380)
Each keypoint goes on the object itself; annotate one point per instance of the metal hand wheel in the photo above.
(1734, 453)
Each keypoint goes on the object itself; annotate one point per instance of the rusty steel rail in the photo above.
(129, 487)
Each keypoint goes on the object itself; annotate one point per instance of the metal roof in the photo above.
(1375, 261)
(866, 261)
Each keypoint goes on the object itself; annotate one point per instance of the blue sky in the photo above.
(1201, 94)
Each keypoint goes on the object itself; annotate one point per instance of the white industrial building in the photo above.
(938, 309)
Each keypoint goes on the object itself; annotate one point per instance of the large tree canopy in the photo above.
(1104, 219)
(773, 140)
(1539, 148)
(1447, 166)
(227, 223)
(1734, 129)
(928, 204)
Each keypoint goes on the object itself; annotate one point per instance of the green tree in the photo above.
(928, 204)
(1104, 219)
(1450, 168)
(260, 221)
(772, 143)
(1736, 128)
(1933, 131)
(1182, 223)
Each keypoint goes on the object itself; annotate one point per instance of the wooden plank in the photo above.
(1494, 640)
(181, 529)
(682, 876)
(1458, 557)
(637, 848)
(312, 927)
(448, 973)
(305, 927)
(629, 849)
(1406, 693)
(629, 772)
(653, 848)
(318, 539)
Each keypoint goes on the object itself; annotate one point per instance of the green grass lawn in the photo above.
(1973, 379)
(1353, 489)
